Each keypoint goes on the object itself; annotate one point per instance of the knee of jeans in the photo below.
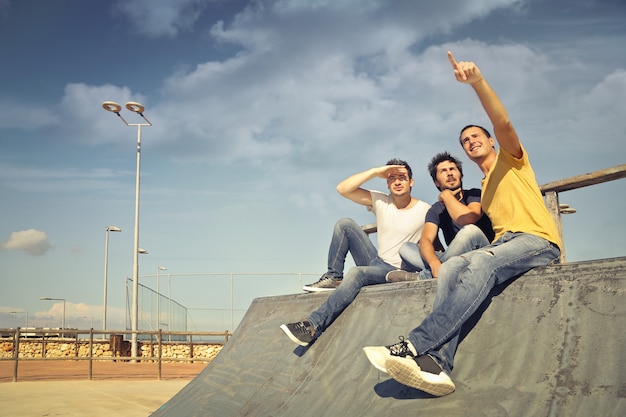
(344, 222)
(472, 233)
(358, 277)
(469, 230)
(407, 249)
(453, 266)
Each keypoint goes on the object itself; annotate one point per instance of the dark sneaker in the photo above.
(421, 372)
(301, 332)
(400, 276)
(325, 283)
(378, 355)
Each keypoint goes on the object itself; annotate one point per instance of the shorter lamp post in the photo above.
(21, 312)
(159, 269)
(106, 268)
(57, 299)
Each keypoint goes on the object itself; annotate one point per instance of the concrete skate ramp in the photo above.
(552, 343)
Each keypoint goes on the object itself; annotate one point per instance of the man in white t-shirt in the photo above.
(399, 219)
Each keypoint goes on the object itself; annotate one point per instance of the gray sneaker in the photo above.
(325, 283)
(301, 332)
(400, 276)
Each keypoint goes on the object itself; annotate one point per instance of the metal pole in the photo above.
(106, 263)
(135, 309)
(159, 268)
(158, 326)
(136, 108)
(63, 325)
(169, 305)
(106, 270)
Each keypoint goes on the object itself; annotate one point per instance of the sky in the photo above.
(258, 109)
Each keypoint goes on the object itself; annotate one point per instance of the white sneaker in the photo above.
(378, 355)
(420, 372)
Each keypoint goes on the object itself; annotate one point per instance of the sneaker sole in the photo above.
(290, 335)
(376, 356)
(407, 372)
(313, 289)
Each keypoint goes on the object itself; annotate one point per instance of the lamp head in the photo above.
(135, 107)
(111, 106)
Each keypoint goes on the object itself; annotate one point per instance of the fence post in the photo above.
(159, 354)
(90, 353)
(552, 203)
(190, 348)
(16, 352)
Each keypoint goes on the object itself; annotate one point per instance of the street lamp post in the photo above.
(106, 268)
(57, 299)
(159, 269)
(21, 312)
(169, 304)
(139, 109)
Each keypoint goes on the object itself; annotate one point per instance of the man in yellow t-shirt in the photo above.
(525, 237)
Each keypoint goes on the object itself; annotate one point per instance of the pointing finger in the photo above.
(452, 60)
(460, 75)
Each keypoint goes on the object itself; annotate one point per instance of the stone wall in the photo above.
(54, 348)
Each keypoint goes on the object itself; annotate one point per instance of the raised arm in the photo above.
(351, 186)
(469, 73)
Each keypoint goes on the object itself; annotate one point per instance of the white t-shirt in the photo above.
(394, 226)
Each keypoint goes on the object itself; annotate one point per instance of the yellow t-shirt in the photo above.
(512, 199)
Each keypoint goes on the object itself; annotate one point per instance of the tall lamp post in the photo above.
(106, 268)
(159, 269)
(139, 109)
(56, 299)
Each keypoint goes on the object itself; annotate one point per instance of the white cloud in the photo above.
(162, 18)
(33, 242)
(25, 116)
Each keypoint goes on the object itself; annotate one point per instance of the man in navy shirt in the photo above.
(457, 213)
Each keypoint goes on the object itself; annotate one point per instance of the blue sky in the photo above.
(259, 108)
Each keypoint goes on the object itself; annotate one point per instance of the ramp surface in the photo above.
(552, 343)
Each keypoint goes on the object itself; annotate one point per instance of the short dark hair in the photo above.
(441, 157)
(396, 161)
(485, 131)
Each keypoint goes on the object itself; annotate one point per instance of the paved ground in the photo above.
(62, 388)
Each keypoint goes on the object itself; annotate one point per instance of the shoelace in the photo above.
(325, 278)
(302, 328)
(400, 349)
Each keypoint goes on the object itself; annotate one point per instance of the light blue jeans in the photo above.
(465, 282)
(349, 237)
(370, 270)
(469, 238)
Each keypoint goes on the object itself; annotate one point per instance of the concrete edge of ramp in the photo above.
(551, 344)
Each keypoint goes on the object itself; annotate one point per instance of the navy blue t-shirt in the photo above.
(439, 216)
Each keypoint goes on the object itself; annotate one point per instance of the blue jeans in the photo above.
(465, 282)
(349, 237)
(469, 238)
(370, 270)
